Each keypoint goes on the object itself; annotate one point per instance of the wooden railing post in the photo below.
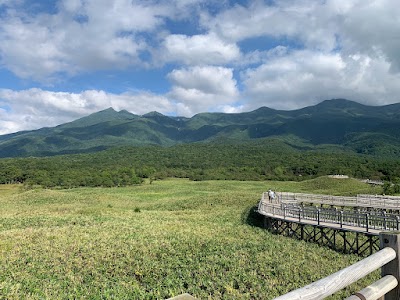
(341, 219)
(391, 239)
(384, 220)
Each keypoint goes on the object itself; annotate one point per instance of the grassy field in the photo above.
(156, 241)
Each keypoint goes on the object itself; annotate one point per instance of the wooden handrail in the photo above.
(388, 286)
(339, 280)
(376, 290)
(377, 201)
(364, 221)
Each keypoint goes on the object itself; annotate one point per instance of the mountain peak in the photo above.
(110, 109)
(339, 103)
(106, 115)
(153, 114)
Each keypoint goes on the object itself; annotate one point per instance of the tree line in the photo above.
(263, 160)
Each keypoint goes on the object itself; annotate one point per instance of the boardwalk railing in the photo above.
(387, 259)
(367, 221)
(374, 201)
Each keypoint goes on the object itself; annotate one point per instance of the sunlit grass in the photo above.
(153, 242)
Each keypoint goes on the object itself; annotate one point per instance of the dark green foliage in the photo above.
(266, 159)
(390, 188)
(343, 123)
(333, 137)
(65, 172)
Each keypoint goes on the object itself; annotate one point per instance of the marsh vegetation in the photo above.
(154, 241)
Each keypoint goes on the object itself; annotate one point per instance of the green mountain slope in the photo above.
(340, 123)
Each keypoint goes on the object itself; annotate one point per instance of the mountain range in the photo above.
(342, 123)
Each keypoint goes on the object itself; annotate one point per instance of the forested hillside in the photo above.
(112, 148)
(343, 123)
(258, 160)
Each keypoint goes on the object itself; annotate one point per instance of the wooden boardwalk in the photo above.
(361, 201)
(352, 220)
(321, 223)
(349, 230)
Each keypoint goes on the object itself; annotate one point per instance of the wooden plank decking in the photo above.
(323, 224)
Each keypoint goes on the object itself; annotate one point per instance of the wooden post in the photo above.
(391, 239)
(341, 219)
(384, 220)
(267, 222)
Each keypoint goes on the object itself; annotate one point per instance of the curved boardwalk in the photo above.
(348, 224)
(290, 206)
(361, 201)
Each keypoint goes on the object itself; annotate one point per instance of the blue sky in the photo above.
(64, 59)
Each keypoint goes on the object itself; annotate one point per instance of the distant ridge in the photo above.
(364, 129)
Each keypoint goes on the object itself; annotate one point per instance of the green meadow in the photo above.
(155, 241)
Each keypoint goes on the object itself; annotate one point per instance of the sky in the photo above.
(64, 59)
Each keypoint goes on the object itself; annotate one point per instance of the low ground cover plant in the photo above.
(155, 241)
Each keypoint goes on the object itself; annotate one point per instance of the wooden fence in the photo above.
(373, 201)
(361, 221)
(386, 288)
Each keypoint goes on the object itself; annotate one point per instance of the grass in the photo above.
(156, 241)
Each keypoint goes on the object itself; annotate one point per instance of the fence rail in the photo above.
(387, 259)
(364, 221)
(339, 280)
(373, 201)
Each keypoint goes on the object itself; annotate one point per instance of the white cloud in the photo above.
(304, 78)
(372, 27)
(200, 89)
(199, 49)
(367, 26)
(310, 22)
(31, 51)
(81, 36)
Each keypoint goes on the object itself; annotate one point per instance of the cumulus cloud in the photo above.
(81, 36)
(372, 28)
(199, 49)
(369, 27)
(309, 22)
(305, 78)
(199, 89)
